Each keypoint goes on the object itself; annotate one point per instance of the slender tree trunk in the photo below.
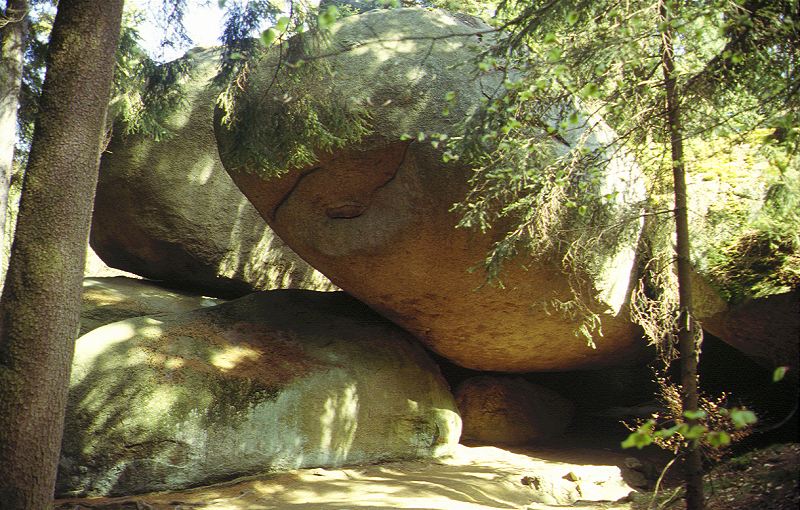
(40, 305)
(13, 33)
(686, 335)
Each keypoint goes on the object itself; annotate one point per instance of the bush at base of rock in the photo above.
(510, 410)
(272, 381)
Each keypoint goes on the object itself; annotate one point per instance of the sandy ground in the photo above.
(475, 477)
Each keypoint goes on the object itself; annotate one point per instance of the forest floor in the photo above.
(487, 478)
(762, 479)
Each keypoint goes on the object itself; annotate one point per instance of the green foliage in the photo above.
(713, 426)
(779, 373)
(145, 92)
(606, 57)
(242, 20)
(41, 18)
(295, 116)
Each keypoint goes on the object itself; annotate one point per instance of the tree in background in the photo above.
(13, 34)
(40, 304)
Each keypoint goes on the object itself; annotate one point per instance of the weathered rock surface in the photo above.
(510, 410)
(375, 216)
(272, 381)
(111, 299)
(166, 210)
(765, 329)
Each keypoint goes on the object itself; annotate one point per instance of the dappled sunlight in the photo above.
(474, 478)
(90, 347)
(101, 294)
(231, 261)
(258, 256)
(229, 356)
(202, 169)
(387, 47)
(339, 421)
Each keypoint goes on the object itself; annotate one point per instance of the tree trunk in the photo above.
(13, 34)
(40, 305)
(686, 335)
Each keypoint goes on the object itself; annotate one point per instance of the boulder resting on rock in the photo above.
(371, 209)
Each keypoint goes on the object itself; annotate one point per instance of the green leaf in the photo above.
(694, 432)
(638, 440)
(697, 414)
(572, 17)
(666, 433)
(328, 18)
(573, 118)
(268, 36)
(282, 24)
(421, 136)
(590, 90)
(779, 374)
(405, 137)
(718, 438)
(554, 54)
(550, 38)
(741, 418)
(449, 96)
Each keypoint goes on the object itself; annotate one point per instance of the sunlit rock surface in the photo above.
(166, 210)
(375, 217)
(111, 299)
(273, 381)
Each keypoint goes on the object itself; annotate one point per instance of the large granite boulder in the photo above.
(371, 209)
(273, 381)
(166, 209)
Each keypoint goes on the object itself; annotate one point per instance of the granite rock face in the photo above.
(273, 381)
(374, 214)
(166, 210)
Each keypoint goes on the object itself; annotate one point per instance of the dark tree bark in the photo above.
(686, 335)
(40, 305)
(13, 33)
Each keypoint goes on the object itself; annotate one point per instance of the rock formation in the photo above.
(372, 211)
(273, 381)
(166, 209)
(510, 410)
(112, 299)
(765, 329)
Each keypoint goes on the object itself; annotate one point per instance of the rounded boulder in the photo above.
(272, 381)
